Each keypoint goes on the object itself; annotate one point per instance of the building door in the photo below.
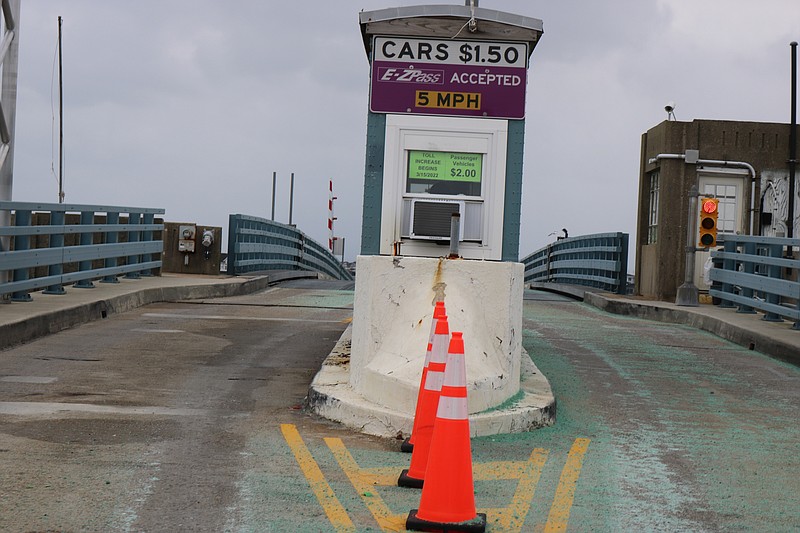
(728, 186)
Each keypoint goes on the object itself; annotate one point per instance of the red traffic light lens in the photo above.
(709, 206)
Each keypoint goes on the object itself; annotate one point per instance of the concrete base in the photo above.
(332, 397)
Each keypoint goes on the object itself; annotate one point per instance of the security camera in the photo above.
(670, 107)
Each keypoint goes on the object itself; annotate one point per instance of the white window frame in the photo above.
(444, 134)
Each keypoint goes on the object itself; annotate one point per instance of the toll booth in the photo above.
(445, 129)
(445, 135)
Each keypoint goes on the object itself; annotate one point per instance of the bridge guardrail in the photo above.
(256, 244)
(599, 261)
(751, 272)
(100, 246)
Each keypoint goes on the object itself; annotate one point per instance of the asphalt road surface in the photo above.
(188, 416)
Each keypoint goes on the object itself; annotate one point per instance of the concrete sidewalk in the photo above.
(21, 322)
(776, 339)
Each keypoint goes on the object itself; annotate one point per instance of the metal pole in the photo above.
(8, 99)
(274, 179)
(455, 223)
(792, 148)
(60, 122)
(291, 198)
(688, 295)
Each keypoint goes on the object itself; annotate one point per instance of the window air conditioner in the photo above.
(430, 219)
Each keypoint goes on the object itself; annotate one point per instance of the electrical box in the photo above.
(191, 248)
(186, 238)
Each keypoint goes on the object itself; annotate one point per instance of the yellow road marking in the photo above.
(364, 483)
(512, 517)
(565, 493)
(316, 480)
(347, 320)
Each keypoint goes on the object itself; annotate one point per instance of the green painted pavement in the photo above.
(688, 432)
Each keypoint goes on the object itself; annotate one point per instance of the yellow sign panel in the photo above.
(448, 100)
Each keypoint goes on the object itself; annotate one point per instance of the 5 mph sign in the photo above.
(447, 77)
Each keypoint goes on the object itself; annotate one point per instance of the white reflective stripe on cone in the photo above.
(433, 381)
(456, 375)
(452, 408)
(439, 349)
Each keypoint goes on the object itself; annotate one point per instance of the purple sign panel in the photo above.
(435, 77)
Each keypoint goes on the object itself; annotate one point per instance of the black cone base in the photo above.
(405, 481)
(476, 525)
(407, 447)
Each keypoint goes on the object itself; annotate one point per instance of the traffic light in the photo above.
(709, 212)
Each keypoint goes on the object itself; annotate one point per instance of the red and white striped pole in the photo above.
(331, 218)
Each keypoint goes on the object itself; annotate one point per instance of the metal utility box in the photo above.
(192, 248)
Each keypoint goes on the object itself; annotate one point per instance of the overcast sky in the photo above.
(191, 105)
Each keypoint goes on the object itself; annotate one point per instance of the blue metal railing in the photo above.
(753, 273)
(256, 244)
(599, 261)
(99, 246)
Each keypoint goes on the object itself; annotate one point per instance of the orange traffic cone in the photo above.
(438, 312)
(448, 499)
(426, 408)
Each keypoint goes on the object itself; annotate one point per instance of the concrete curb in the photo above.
(33, 327)
(331, 396)
(749, 337)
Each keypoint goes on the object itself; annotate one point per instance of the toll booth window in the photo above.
(450, 173)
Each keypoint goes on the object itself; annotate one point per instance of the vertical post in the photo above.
(134, 219)
(291, 198)
(147, 237)
(8, 99)
(56, 241)
(749, 268)
(60, 122)
(455, 223)
(330, 215)
(774, 272)
(728, 265)
(688, 295)
(622, 280)
(233, 226)
(274, 180)
(87, 218)
(792, 150)
(22, 242)
(112, 237)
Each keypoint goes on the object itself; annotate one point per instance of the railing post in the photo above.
(112, 237)
(147, 236)
(133, 236)
(729, 247)
(749, 268)
(87, 238)
(57, 218)
(774, 272)
(56, 241)
(623, 264)
(233, 226)
(22, 242)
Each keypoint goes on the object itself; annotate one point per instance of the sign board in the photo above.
(444, 166)
(449, 77)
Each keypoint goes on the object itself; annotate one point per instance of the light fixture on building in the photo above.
(670, 109)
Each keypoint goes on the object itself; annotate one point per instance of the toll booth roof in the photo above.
(447, 21)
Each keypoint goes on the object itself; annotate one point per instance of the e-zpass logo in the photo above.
(411, 75)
